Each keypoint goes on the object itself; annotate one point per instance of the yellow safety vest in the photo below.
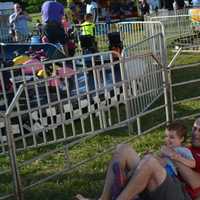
(87, 28)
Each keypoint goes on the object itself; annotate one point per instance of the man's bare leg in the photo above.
(148, 175)
(189, 176)
(127, 158)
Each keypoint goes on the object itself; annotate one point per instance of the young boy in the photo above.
(88, 27)
(87, 37)
(175, 135)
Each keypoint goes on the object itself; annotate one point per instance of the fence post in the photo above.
(171, 93)
(125, 91)
(13, 160)
(166, 81)
(170, 82)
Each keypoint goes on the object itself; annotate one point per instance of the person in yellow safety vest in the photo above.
(88, 27)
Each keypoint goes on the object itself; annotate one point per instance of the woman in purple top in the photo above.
(52, 14)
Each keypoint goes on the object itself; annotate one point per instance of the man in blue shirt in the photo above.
(52, 14)
(18, 21)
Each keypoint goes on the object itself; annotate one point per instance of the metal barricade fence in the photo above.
(134, 32)
(181, 30)
(7, 37)
(165, 12)
(84, 96)
(174, 26)
(185, 96)
(45, 92)
(4, 33)
(130, 32)
(145, 86)
(101, 32)
(76, 93)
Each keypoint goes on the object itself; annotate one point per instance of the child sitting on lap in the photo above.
(175, 135)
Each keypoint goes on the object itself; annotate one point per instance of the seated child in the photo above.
(175, 135)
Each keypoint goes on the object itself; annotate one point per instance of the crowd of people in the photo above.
(74, 13)
(57, 22)
(151, 178)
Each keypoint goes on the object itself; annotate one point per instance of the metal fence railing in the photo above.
(6, 35)
(180, 30)
(166, 12)
(174, 26)
(130, 32)
(75, 87)
(183, 80)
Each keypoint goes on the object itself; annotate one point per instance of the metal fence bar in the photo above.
(184, 99)
(12, 148)
(130, 32)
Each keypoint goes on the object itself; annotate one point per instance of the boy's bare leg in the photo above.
(148, 175)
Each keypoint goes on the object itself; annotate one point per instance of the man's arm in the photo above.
(185, 161)
(188, 160)
(190, 176)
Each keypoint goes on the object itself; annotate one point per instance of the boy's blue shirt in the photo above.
(184, 152)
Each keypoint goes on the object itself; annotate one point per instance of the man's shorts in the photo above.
(170, 189)
(55, 33)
